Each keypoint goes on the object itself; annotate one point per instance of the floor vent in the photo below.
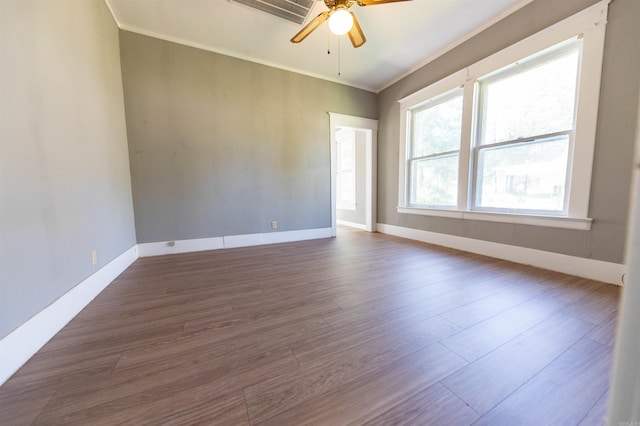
(291, 10)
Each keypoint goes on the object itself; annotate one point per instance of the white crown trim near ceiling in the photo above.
(243, 57)
(200, 46)
(113, 14)
(458, 42)
(413, 69)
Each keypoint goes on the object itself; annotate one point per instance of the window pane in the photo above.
(537, 101)
(435, 181)
(436, 128)
(528, 176)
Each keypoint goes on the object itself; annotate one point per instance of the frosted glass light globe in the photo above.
(340, 22)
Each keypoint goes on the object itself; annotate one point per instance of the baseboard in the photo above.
(352, 224)
(233, 241)
(22, 343)
(587, 268)
(179, 246)
(230, 241)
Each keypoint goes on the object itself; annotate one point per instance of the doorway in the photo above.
(353, 171)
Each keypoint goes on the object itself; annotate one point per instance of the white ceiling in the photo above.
(401, 37)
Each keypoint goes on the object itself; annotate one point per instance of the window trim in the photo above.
(590, 26)
(448, 84)
(411, 160)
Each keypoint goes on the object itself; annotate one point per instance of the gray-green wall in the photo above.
(64, 171)
(220, 146)
(609, 201)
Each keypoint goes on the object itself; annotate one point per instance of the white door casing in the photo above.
(370, 127)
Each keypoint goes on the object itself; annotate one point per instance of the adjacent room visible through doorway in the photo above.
(353, 172)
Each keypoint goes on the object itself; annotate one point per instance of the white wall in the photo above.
(624, 403)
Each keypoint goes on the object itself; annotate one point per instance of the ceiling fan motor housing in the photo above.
(347, 23)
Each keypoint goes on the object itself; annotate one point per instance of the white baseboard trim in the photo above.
(179, 246)
(587, 268)
(230, 241)
(21, 344)
(233, 241)
(352, 224)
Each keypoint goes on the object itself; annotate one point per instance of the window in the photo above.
(435, 147)
(526, 121)
(346, 169)
(510, 138)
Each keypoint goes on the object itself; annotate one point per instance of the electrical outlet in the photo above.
(274, 225)
(94, 257)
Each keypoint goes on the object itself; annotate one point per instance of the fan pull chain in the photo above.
(328, 42)
(339, 56)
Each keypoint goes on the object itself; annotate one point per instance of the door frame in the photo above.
(370, 126)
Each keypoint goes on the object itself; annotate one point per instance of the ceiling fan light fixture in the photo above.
(340, 21)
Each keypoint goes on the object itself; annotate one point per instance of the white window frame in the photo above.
(574, 44)
(431, 102)
(589, 25)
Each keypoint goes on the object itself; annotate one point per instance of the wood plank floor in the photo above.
(360, 329)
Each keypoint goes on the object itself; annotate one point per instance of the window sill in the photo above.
(523, 219)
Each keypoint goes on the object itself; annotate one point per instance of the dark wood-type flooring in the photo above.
(359, 329)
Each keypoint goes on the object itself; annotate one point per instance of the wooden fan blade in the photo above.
(355, 33)
(374, 2)
(308, 29)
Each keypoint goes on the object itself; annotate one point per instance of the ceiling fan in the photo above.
(341, 20)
